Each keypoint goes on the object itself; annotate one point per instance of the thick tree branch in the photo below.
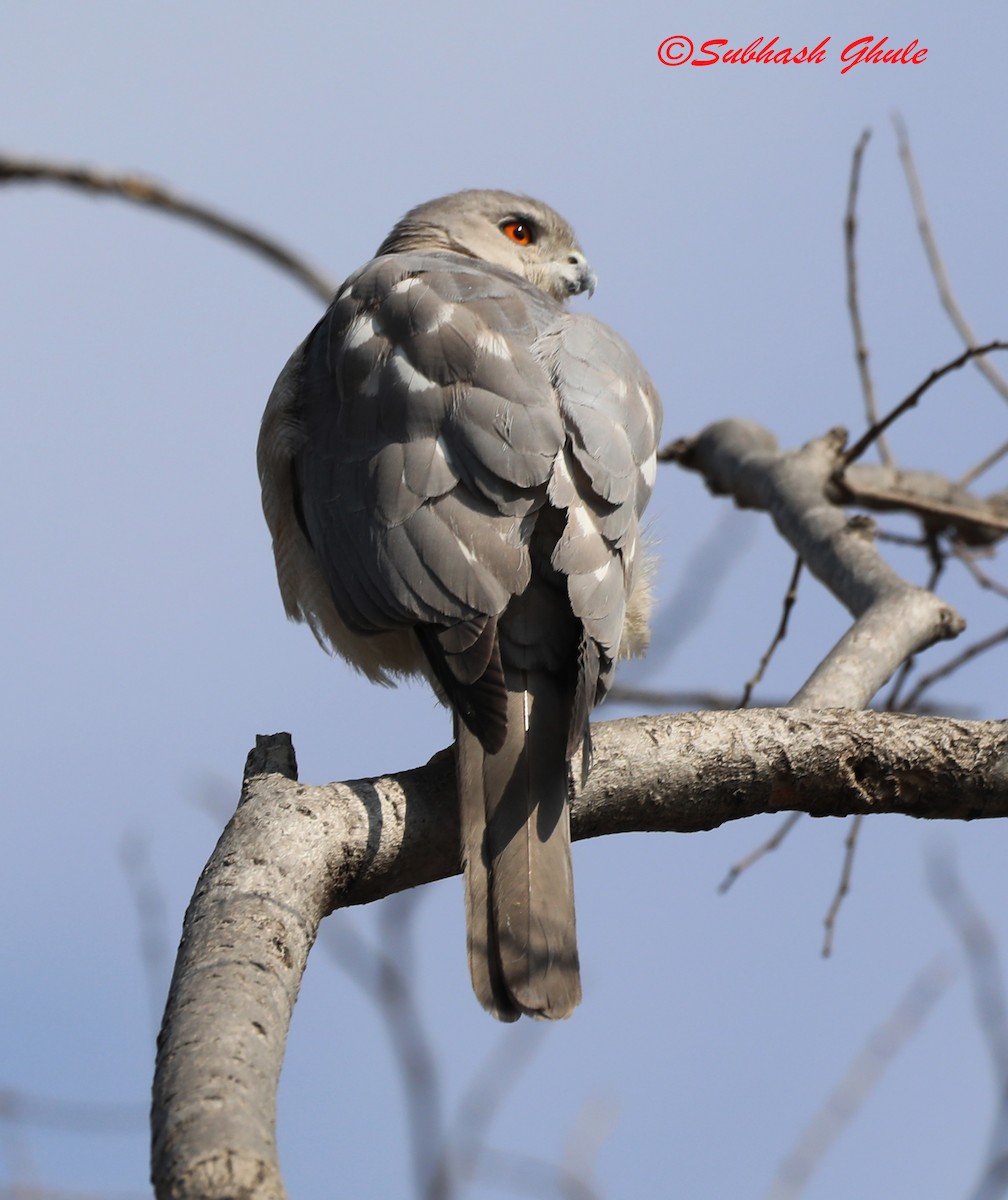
(292, 853)
(942, 505)
(894, 619)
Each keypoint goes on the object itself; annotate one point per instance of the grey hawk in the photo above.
(453, 471)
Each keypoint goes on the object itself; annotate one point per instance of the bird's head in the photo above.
(515, 232)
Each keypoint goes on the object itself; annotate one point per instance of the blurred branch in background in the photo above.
(21, 1114)
(953, 520)
(987, 979)
(853, 304)
(806, 504)
(137, 189)
(447, 1156)
(151, 908)
(860, 1080)
(937, 265)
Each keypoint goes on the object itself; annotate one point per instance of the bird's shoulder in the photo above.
(416, 291)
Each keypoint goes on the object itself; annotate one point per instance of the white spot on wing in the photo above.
(441, 317)
(649, 469)
(361, 331)
(645, 399)
(443, 453)
(561, 486)
(442, 313)
(413, 379)
(492, 343)
(583, 520)
(467, 554)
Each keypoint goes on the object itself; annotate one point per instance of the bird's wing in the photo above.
(602, 481)
(427, 434)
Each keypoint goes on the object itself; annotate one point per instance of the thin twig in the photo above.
(968, 560)
(984, 464)
(900, 539)
(860, 1080)
(843, 887)
(983, 959)
(862, 444)
(850, 255)
(145, 191)
(527, 1175)
(660, 699)
(954, 664)
(464, 1145)
(790, 596)
(990, 1001)
(387, 977)
(152, 919)
(963, 328)
(754, 856)
(72, 1116)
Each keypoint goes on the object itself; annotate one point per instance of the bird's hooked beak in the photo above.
(578, 275)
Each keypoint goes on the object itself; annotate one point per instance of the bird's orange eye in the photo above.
(518, 232)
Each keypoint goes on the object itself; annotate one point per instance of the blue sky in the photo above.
(144, 639)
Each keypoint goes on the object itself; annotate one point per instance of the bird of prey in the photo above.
(453, 472)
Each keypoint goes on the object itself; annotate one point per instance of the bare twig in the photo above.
(72, 1116)
(386, 976)
(843, 887)
(983, 959)
(742, 458)
(659, 699)
(790, 596)
(983, 962)
(465, 1145)
(21, 1191)
(853, 306)
(963, 328)
(532, 1176)
(900, 539)
(953, 665)
(763, 849)
(893, 617)
(414, 1053)
(595, 1123)
(862, 444)
(152, 918)
(984, 464)
(968, 559)
(860, 1079)
(143, 191)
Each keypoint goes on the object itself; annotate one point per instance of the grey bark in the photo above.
(894, 619)
(293, 853)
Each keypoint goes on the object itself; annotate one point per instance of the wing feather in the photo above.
(441, 406)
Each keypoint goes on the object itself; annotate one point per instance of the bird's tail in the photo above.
(516, 854)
